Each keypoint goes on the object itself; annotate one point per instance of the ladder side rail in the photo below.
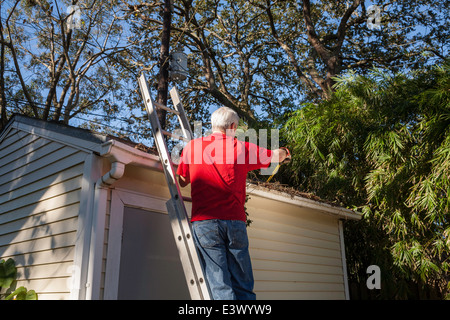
(191, 258)
(176, 209)
(182, 118)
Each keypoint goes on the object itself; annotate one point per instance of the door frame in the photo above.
(121, 198)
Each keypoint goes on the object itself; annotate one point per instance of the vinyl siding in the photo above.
(40, 184)
(295, 252)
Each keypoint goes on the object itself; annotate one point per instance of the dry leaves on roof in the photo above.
(289, 190)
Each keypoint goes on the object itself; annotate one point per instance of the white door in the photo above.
(150, 266)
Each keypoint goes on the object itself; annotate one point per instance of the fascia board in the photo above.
(340, 212)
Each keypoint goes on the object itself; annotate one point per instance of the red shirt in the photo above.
(217, 168)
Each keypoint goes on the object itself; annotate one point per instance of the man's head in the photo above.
(225, 120)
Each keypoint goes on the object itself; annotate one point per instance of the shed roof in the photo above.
(142, 155)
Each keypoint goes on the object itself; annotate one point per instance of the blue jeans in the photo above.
(223, 251)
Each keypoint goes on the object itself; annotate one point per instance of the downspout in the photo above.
(116, 172)
(118, 160)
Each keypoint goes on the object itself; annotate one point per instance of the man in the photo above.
(217, 167)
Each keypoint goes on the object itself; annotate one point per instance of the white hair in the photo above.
(223, 118)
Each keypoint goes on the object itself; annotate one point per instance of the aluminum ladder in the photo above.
(182, 231)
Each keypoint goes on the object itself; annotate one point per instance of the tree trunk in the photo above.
(163, 81)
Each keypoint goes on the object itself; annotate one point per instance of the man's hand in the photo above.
(281, 155)
(182, 181)
(287, 159)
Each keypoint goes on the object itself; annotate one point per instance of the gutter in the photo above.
(340, 212)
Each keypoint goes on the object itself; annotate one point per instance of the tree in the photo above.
(224, 56)
(263, 58)
(61, 58)
(381, 145)
(323, 39)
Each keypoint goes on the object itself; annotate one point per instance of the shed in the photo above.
(84, 217)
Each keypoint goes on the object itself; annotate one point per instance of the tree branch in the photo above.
(292, 58)
(10, 45)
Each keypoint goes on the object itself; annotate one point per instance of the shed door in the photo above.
(150, 266)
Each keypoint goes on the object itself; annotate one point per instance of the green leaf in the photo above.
(31, 295)
(8, 272)
(22, 294)
(19, 293)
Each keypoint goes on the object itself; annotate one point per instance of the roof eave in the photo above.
(340, 212)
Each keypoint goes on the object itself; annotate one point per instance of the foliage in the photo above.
(262, 58)
(248, 221)
(8, 274)
(381, 145)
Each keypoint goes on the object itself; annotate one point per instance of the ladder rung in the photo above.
(175, 136)
(161, 106)
(187, 199)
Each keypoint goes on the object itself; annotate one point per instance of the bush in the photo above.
(8, 275)
(381, 145)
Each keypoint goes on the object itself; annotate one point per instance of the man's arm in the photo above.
(183, 182)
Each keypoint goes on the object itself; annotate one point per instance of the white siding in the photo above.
(295, 252)
(40, 183)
